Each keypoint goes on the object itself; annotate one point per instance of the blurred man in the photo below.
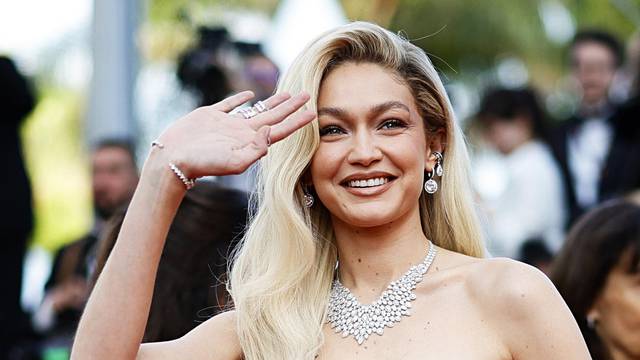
(16, 214)
(582, 145)
(115, 177)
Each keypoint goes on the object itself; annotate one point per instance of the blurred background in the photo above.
(120, 71)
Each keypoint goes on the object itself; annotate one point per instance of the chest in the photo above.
(441, 326)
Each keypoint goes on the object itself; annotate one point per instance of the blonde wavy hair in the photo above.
(284, 266)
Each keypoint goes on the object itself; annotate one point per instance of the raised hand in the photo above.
(209, 141)
(212, 141)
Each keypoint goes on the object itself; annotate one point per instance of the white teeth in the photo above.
(369, 182)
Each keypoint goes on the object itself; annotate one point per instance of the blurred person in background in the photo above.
(16, 218)
(529, 207)
(536, 253)
(190, 284)
(260, 72)
(200, 69)
(583, 145)
(114, 178)
(598, 274)
(623, 164)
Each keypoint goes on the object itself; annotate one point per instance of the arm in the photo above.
(214, 339)
(209, 141)
(530, 315)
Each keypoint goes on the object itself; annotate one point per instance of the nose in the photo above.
(364, 150)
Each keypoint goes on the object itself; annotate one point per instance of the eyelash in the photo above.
(395, 122)
(336, 130)
(329, 130)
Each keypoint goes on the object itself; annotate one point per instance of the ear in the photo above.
(593, 316)
(436, 141)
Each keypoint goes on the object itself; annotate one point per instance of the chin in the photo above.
(369, 215)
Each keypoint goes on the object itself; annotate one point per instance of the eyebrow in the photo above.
(374, 110)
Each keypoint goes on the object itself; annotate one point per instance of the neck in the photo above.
(594, 108)
(370, 258)
(618, 352)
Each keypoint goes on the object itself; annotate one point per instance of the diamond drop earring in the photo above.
(439, 159)
(308, 198)
(431, 186)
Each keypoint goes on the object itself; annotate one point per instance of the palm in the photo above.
(211, 141)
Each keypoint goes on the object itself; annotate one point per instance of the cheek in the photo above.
(409, 157)
(621, 309)
(325, 164)
(409, 152)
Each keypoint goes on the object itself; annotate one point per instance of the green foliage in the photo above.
(163, 10)
(617, 16)
(472, 33)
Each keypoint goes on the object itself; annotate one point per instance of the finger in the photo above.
(233, 101)
(270, 103)
(287, 127)
(280, 112)
(276, 100)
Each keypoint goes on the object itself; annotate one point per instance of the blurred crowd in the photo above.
(559, 194)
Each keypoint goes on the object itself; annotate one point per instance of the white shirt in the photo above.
(522, 196)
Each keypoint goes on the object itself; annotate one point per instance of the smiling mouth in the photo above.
(367, 183)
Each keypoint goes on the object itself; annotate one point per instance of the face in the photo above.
(594, 68)
(369, 167)
(114, 179)
(508, 135)
(617, 309)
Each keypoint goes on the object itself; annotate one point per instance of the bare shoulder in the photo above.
(215, 339)
(525, 309)
(500, 281)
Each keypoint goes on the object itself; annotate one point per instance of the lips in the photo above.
(367, 180)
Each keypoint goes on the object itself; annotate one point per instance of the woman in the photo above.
(512, 122)
(597, 272)
(347, 186)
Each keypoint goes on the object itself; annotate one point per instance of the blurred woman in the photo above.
(516, 177)
(598, 274)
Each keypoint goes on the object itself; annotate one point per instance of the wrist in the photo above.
(157, 171)
(179, 169)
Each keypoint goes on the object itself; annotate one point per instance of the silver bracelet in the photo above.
(188, 183)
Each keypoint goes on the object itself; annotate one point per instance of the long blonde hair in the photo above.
(283, 269)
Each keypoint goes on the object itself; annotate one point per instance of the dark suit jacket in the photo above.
(16, 101)
(621, 171)
(71, 260)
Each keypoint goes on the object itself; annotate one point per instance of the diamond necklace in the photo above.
(349, 317)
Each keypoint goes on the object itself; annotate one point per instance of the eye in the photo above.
(392, 124)
(331, 130)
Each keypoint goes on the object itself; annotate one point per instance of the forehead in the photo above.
(109, 155)
(357, 86)
(590, 51)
